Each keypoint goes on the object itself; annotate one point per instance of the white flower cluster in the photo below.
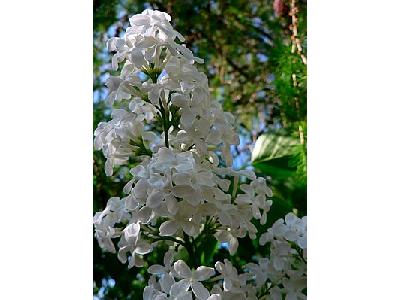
(281, 275)
(285, 270)
(181, 189)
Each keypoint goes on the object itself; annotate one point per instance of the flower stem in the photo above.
(191, 251)
(166, 127)
(156, 237)
(164, 117)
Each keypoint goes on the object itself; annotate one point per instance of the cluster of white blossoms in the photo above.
(280, 275)
(183, 187)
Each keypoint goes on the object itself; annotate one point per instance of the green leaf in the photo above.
(277, 168)
(207, 249)
(272, 155)
(271, 146)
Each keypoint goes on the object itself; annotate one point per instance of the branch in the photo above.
(295, 40)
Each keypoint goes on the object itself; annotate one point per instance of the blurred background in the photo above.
(255, 58)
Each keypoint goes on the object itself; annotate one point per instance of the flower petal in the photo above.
(182, 191)
(182, 269)
(203, 273)
(179, 287)
(214, 297)
(200, 291)
(166, 282)
(156, 269)
(185, 296)
(143, 248)
(145, 214)
(132, 231)
(181, 179)
(155, 199)
(172, 204)
(168, 228)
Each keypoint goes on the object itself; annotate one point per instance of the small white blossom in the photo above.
(191, 279)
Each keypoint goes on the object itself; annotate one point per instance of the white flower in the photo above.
(291, 229)
(191, 279)
(182, 220)
(159, 269)
(104, 223)
(232, 281)
(155, 24)
(260, 271)
(255, 194)
(117, 137)
(131, 242)
(166, 272)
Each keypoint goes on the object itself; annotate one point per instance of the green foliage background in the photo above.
(253, 71)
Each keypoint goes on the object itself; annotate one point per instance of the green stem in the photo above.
(189, 246)
(166, 127)
(164, 116)
(153, 73)
(156, 237)
(193, 260)
(169, 238)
